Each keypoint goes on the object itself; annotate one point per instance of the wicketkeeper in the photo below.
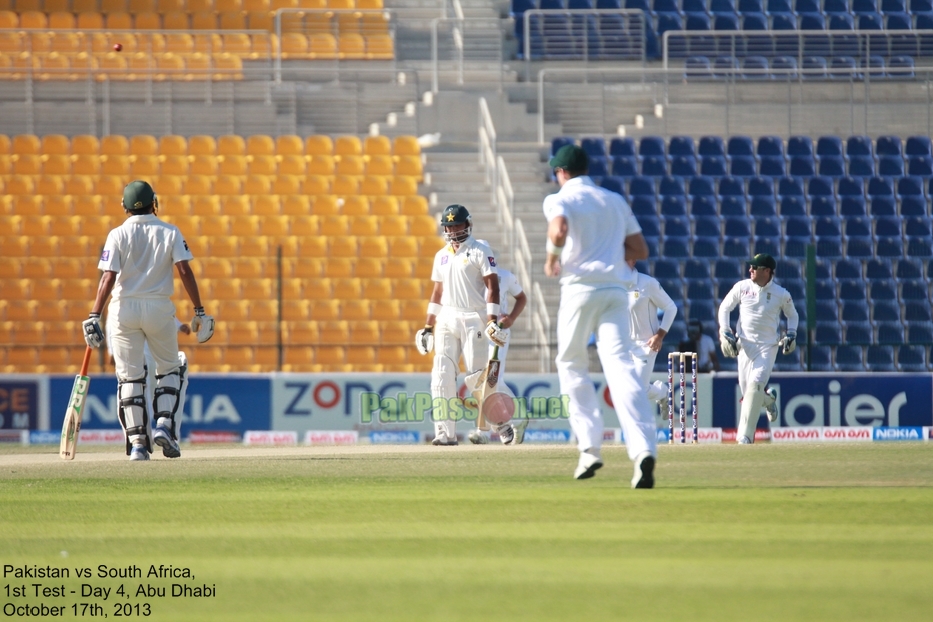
(137, 263)
(756, 340)
(462, 318)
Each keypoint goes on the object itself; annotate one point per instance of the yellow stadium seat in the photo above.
(204, 20)
(406, 145)
(303, 225)
(148, 21)
(428, 247)
(413, 205)
(197, 66)
(334, 226)
(351, 45)
(316, 185)
(218, 268)
(198, 246)
(58, 206)
(256, 5)
(223, 247)
(339, 267)
(231, 146)
(166, 6)
(117, 20)
(313, 247)
(345, 185)
(347, 288)
(407, 289)
(85, 204)
(228, 185)
(233, 165)
(57, 165)
(69, 225)
(55, 144)
(403, 186)
(386, 310)
(203, 165)
(33, 20)
(403, 247)
(377, 146)
(20, 184)
(258, 246)
(89, 164)
(77, 289)
(319, 145)
(144, 144)
(283, 4)
(394, 226)
(202, 145)
(294, 45)
(244, 225)
(334, 332)
(374, 186)
(34, 225)
(384, 206)
(143, 166)
(116, 165)
(262, 165)
(321, 165)
(27, 164)
(169, 185)
(391, 355)
(257, 184)
(226, 289)
(286, 185)
(79, 186)
(108, 6)
(356, 310)
(289, 145)
(295, 310)
(369, 4)
(355, 206)
(381, 164)
(423, 225)
(322, 46)
(258, 289)
(235, 43)
(373, 247)
(114, 145)
(228, 5)
(363, 225)
(341, 4)
(260, 145)
(260, 20)
(14, 289)
(296, 206)
(233, 310)
(61, 20)
(292, 164)
(50, 185)
(361, 357)
(409, 166)
(348, 145)
(350, 165)
(174, 165)
(266, 206)
(84, 145)
(377, 289)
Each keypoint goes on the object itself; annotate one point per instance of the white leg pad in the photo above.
(751, 410)
(657, 391)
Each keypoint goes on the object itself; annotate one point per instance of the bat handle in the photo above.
(495, 352)
(87, 361)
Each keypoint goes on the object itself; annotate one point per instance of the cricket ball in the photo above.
(117, 47)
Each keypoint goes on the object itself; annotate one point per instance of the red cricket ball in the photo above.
(117, 47)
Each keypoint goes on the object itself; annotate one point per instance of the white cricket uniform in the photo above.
(594, 299)
(760, 311)
(462, 320)
(645, 297)
(143, 252)
(508, 286)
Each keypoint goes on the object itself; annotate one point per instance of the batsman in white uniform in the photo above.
(756, 340)
(591, 233)
(508, 286)
(137, 263)
(462, 318)
(646, 296)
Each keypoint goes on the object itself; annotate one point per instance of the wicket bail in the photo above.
(683, 395)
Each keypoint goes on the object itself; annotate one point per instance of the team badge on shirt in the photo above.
(444, 260)
(492, 262)
(105, 255)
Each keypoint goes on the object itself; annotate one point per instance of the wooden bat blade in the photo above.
(75, 411)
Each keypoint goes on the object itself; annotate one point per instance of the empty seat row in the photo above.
(140, 66)
(167, 6)
(682, 7)
(200, 145)
(783, 68)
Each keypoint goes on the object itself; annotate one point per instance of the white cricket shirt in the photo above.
(598, 223)
(143, 251)
(759, 311)
(508, 286)
(461, 273)
(645, 297)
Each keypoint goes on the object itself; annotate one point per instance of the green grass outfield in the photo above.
(769, 532)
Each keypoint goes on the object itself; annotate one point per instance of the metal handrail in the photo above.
(638, 14)
(487, 147)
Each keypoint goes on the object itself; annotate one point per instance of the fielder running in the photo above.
(462, 319)
(592, 232)
(645, 297)
(756, 342)
(508, 286)
(137, 262)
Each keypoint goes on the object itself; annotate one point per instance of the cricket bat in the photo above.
(73, 414)
(489, 380)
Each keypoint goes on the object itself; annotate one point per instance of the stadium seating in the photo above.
(873, 236)
(334, 246)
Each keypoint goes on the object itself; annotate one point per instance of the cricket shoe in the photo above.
(442, 440)
(771, 409)
(587, 466)
(138, 453)
(519, 430)
(506, 434)
(744, 440)
(164, 439)
(644, 471)
(478, 437)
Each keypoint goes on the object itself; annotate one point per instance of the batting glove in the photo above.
(496, 334)
(93, 335)
(728, 343)
(202, 324)
(790, 341)
(424, 340)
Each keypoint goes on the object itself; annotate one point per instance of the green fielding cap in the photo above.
(138, 195)
(763, 260)
(570, 158)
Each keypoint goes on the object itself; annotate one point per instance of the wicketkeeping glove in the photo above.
(728, 343)
(789, 341)
(496, 334)
(202, 324)
(424, 340)
(93, 335)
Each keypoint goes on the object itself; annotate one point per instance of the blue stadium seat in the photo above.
(725, 67)
(696, 269)
(767, 227)
(889, 145)
(800, 145)
(820, 359)
(518, 7)
(864, 6)
(770, 146)
(703, 310)
(807, 6)
(797, 227)
(878, 270)
(890, 333)
(858, 333)
(793, 206)
(911, 358)
(706, 226)
(919, 247)
(640, 185)
(704, 205)
(859, 247)
(850, 187)
(614, 184)
(857, 227)
(829, 246)
(731, 186)
(824, 269)
(676, 226)
(859, 146)
(882, 206)
(650, 225)
(796, 287)
(740, 146)
(825, 288)
(644, 204)
(814, 67)
(851, 289)
(751, 6)
(684, 165)
(909, 269)
(772, 166)
(762, 206)
(694, 6)
(676, 247)
(861, 166)
(914, 290)
(918, 146)
(713, 166)
(836, 6)
(697, 68)
(880, 358)
(597, 167)
(736, 227)
(778, 6)
(920, 166)
(885, 311)
(920, 333)
(889, 247)
(880, 186)
(755, 68)
(829, 146)
(852, 206)
(651, 146)
(654, 166)
(706, 247)
(702, 186)
(909, 187)
(733, 206)
(917, 312)
(827, 311)
(736, 247)
(894, 6)
(818, 186)
(673, 205)
(624, 166)
(823, 205)
(848, 270)
(743, 166)
(578, 5)
(827, 334)
(722, 6)
(832, 166)
(844, 68)
(855, 311)
(788, 269)
(619, 146)
(890, 166)
(560, 141)
(670, 185)
(594, 146)
(728, 270)
(766, 244)
(608, 4)
(802, 166)
(901, 67)
(887, 226)
(711, 146)
(700, 289)
(681, 146)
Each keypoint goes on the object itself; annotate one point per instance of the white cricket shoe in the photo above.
(519, 430)
(163, 439)
(771, 408)
(442, 440)
(644, 471)
(506, 434)
(138, 452)
(587, 466)
(478, 437)
(744, 440)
